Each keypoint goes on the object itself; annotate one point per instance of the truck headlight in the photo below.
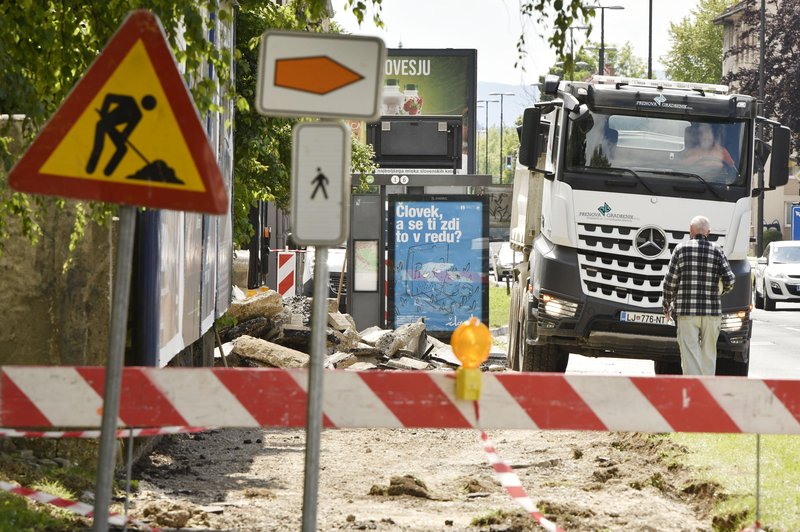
(733, 321)
(558, 308)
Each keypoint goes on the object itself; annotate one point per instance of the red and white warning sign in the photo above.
(287, 264)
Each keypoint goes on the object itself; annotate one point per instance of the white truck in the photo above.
(607, 195)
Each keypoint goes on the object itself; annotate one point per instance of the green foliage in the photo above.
(510, 147)
(587, 60)
(564, 13)
(729, 460)
(17, 514)
(499, 305)
(781, 57)
(771, 235)
(48, 46)
(696, 51)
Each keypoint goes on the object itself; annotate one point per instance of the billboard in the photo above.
(428, 82)
(438, 257)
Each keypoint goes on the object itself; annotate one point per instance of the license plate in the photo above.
(644, 317)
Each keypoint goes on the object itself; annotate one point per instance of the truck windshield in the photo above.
(653, 148)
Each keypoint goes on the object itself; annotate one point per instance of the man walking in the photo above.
(692, 289)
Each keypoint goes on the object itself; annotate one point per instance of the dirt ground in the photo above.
(237, 479)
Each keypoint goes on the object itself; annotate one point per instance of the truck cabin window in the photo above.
(658, 147)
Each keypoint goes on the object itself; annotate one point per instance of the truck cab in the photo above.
(617, 168)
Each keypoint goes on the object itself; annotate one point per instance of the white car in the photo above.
(778, 274)
(505, 260)
(336, 266)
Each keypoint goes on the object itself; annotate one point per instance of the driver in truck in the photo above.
(702, 148)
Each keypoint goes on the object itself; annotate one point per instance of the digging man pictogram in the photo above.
(122, 111)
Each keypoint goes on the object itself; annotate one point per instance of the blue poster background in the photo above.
(438, 250)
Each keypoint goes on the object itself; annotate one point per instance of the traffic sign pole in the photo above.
(319, 308)
(116, 358)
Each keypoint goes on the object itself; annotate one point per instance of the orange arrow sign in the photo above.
(319, 74)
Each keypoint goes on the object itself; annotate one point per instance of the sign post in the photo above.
(330, 76)
(117, 138)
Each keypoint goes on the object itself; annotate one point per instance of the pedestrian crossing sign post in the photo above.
(320, 183)
(128, 132)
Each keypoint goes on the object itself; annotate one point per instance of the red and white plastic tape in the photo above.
(201, 397)
(121, 433)
(511, 483)
(74, 507)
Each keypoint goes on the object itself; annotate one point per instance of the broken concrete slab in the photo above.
(269, 354)
(267, 303)
(406, 363)
(410, 335)
(338, 322)
(361, 366)
(341, 360)
(371, 335)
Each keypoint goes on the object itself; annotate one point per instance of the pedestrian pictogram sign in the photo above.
(320, 183)
(128, 132)
(325, 75)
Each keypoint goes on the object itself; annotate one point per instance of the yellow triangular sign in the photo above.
(128, 132)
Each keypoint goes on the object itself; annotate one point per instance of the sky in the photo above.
(494, 26)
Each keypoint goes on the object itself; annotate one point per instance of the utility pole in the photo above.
(501, 94)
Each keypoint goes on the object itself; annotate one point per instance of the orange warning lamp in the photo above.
(471, 343)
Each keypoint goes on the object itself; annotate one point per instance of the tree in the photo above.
(696, 51)
(586, 61)
(781, 61)
(47, 47)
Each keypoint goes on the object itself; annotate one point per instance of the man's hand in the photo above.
(667, 312)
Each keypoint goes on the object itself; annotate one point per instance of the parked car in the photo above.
(336, 266)
(778, 274)
(505, 260)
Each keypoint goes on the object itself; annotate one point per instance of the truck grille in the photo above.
(611, 268)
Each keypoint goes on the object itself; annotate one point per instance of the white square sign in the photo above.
(320, 183)
(320, 74)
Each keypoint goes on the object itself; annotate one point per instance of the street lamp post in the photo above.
(572, 41)
(602, 68)
(486, 126)
(502, 95)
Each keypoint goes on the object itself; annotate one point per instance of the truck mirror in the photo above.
(762, 153)
(779, 165)
(550, 85)
(529, 144)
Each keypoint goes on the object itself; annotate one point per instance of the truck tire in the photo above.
(545, 358)
(667, 367)
(731, 367)
(759, 299)
(769, 303)
(516, 333)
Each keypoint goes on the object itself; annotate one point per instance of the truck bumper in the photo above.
(587, 325)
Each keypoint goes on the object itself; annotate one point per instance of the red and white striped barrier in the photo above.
(74, 507)
(201, 397)
(286, 273)
(121, 433)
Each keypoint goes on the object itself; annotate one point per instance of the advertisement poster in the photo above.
(438, 256)
(419, 82)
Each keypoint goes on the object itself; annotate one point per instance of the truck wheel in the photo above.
(769, 303)
(759, 299)
(731, 367)
(545, 358)
(667, 367)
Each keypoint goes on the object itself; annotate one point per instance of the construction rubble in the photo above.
(275, 332)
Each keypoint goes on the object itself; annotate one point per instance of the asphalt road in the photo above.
(774, 349)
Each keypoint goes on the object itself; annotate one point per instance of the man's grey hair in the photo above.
(701, 225)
